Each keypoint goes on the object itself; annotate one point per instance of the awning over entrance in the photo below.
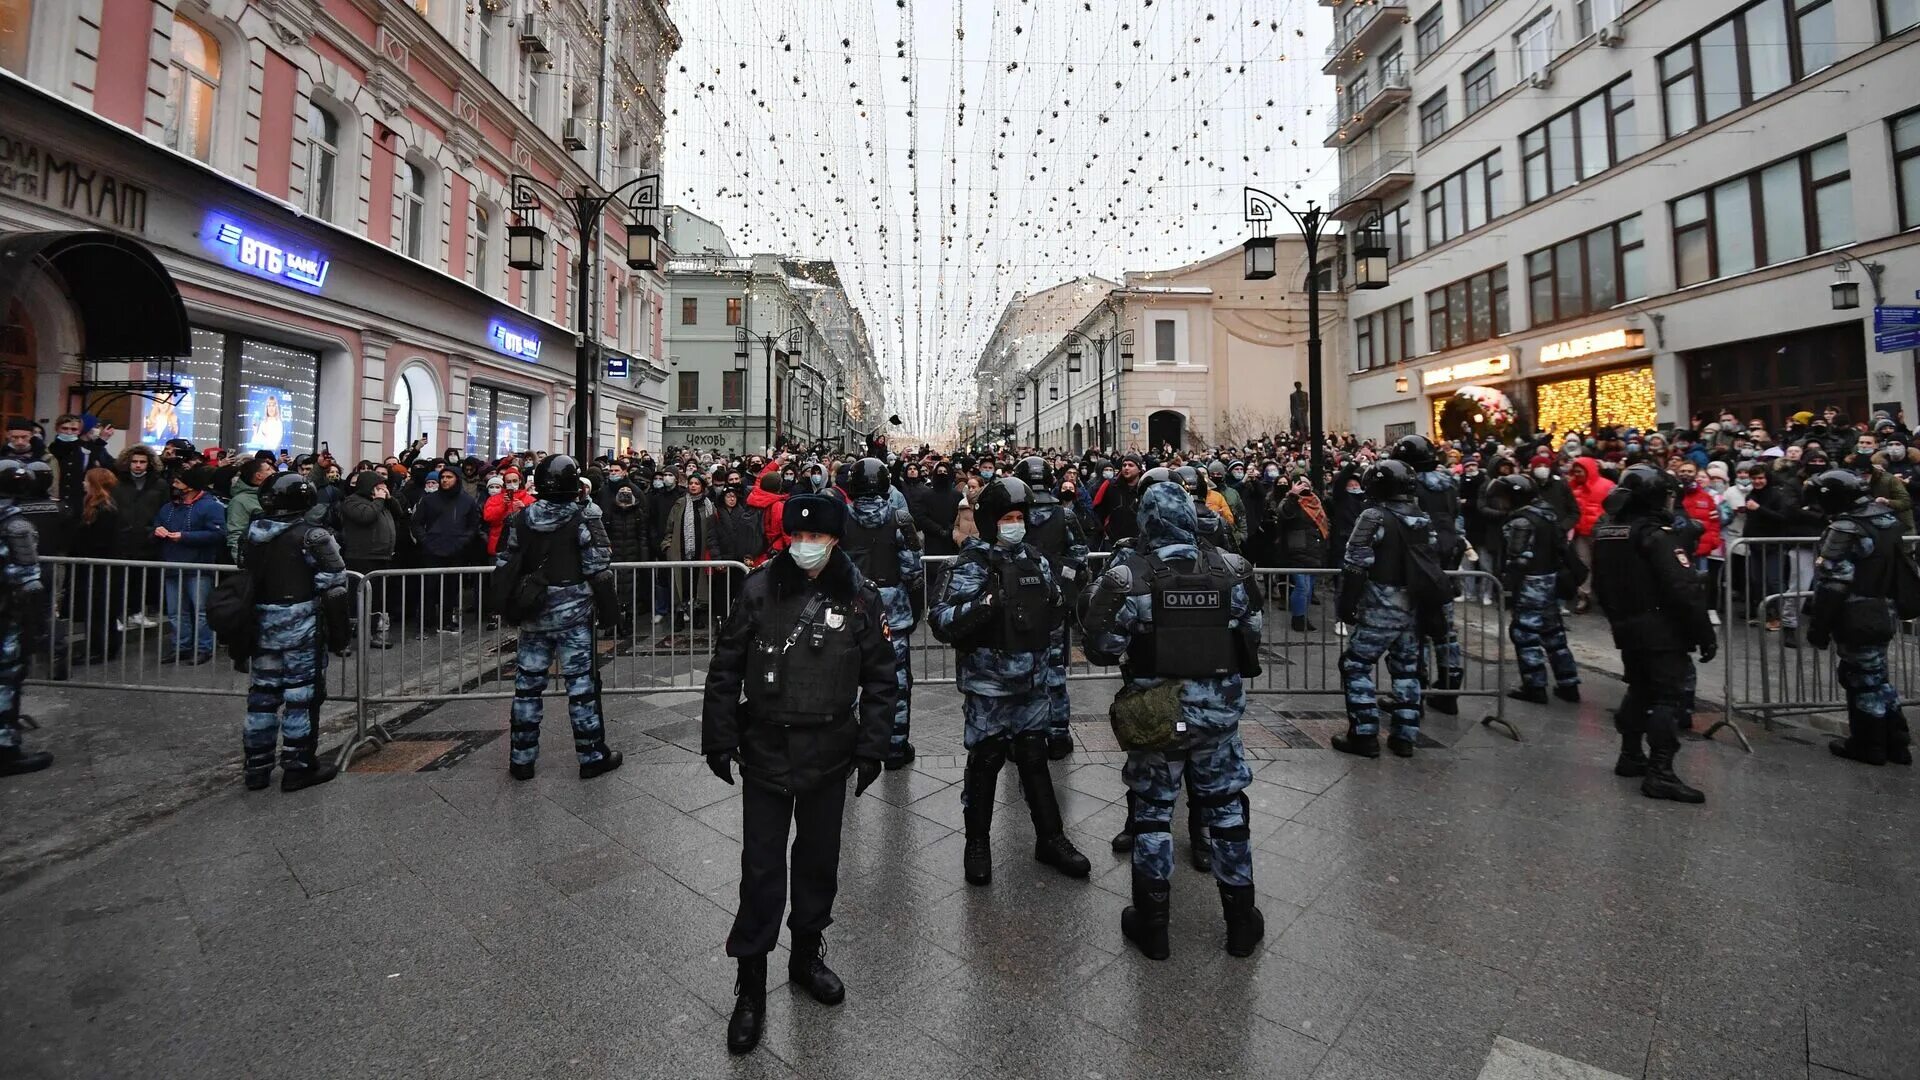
(125, 301)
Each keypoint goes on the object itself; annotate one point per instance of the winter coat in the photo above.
(1701, 506)
(498, 509)
(369, 527)
(201, 521)
(768, 498)
(447, 522)
(1301, 542)
(964, 527)
(738, 534)
(933, 507)
(1779, 513)
(1590, 490)
(70, 461)
(627, 526)
(673, 540)
(138, 502)
(96, 539)
(243, 505)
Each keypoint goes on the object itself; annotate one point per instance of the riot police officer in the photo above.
(885, 547)
(998, 611)
(1377, 601)
(564, 538)
(1182, 622)
(1213, 529)
(23, 614)
(807, 646)
(297, 571)
(1051, 529)
(1536, 550)
(1853, 586)
(1438, 493)
(1644, 582)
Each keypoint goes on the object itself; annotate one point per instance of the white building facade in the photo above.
(1628, 214)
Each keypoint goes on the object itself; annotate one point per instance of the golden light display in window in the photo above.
(1439, 406)
(1564, 406)
(1625, 399)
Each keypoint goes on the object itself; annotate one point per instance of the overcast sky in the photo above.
(1039, 140)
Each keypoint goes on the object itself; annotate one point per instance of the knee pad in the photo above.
(1138, 821)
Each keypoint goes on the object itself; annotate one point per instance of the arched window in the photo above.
(413, 215)
(405, 427)
(193, 81)
(323, 150)
(482, 246)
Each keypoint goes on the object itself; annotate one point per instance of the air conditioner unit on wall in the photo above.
(1541, 79)
(1611, 35)
(573, 133)
(533, 33)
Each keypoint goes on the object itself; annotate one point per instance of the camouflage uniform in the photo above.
(1533, 572)
(1850, 570)
(1005, 691)
(874, 511)
(1072, 569)
(1438, 493)
(289, 660)
(564, 630)
(20, 564)
(1381, 613)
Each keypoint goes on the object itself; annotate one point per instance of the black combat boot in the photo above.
(981, 781)
(1059, 747)
(749, 1005)
(1050, 843)
(1447, 703)
(1899, 741)
(1367, 746)
(1534, 694)
(258, 762)
(899, 759)
(1660, 781)
(521, 770)
(1567, 691)
(1245, 925)
(1632, 760)
(301, 768)
(1400, 747)
(1145, 921)
(807, 968)
(15, 761)
(608, 761)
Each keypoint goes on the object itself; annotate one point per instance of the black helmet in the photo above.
(1837, 490)
(868, 476)
(998, 499)
(1194, 480)
(14, 482)
(1035, 471)
(39, 479)
(1157, 475)
(1647, 491)
(1505, 494)
(557, 479)
(289, 493)
(1389, 479)
(1415, 450)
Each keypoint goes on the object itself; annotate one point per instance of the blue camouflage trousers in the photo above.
(1539, 637)
(288, 685)
(1218, 775)
(1059, 708)
(1872, 703)
(13, 675)
(903, 707)
(1446, 652)
(1365, 646)
(541, 644)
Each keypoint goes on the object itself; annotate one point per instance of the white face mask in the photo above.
(811, 554)
(1013, 534)
(1542, 473)
(495, 488)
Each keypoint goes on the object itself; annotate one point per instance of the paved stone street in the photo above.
(1489, 909)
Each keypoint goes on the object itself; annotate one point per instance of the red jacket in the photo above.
(496, 511)
(1590, 489)
(771, 504)
(1702, 507)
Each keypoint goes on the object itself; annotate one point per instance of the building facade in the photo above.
(1619, 213)
(326, 184)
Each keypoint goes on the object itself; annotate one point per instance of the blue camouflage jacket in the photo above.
(1384, 605)
(988, 672)
(566, 604)
(290, 626)
(897, 600)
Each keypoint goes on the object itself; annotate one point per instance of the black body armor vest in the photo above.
(1050, 536)
(805, 674)
(280, 571)
(1026, 610)
(1390, 551)
(560, 550)
(875, 549)
(1192, 607)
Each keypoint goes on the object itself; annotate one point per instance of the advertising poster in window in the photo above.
(269, 419)
(507, 436)
(166, 420)
(475, 422)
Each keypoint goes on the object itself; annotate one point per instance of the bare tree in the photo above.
(1238, 427)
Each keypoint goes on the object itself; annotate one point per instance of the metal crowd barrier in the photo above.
(1765, 677)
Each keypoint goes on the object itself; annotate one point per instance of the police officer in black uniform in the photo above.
(801, 693)
(1853, 588)
(1645, 583)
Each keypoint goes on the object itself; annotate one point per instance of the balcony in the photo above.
(1371, 24)
(1383, 177)
(1366, 104)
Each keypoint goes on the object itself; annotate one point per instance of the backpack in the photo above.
(230, 605)
(1427, 581)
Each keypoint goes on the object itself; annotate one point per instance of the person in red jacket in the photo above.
(1702, 507)
(1590, 489)
(769, 496)
(502, 502)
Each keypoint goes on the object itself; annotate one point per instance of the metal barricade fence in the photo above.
(1770, 673)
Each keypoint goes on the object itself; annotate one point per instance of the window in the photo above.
(1433, 118)
(1477, 85)
(1163, 342)
(689, 391)
(483, 44)
(533, 91)
(1594, 14)
(1759, 50)
(245, 393)
(1906, 166)
(16, 22)
(1587, 273)
(1464, 201)
(1384, 338)
(689, 311)
(1471, 9)
(1898, 15)
(733, 311)
(482, 244)
(323, 149)
(1469, 310)
(499, 422)
(1396, 228)
(1593, 136)
(1781, 212)
(1533, 45)
(193, 81)
(413, 212)
(1429, 32)
(733, 391)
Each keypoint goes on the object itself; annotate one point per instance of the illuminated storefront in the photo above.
(1616, 395)
(242, 393)
(499, 422)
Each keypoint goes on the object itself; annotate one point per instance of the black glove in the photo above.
(721, 762)
(1708, 650)
(1819, 638)
(869, 770)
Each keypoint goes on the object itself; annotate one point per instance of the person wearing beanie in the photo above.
(800, 694)
(192, 531)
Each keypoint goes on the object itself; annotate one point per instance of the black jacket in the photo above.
(792, 760)
(370, 527)
(934, 507)
(1301, 543)
(628, 527)
(139, 502)
(738, 535)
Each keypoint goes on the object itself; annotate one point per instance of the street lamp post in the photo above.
(526, 250)
(1124, 339)
(1371, 273)
(1034, 379)
(744, 339)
